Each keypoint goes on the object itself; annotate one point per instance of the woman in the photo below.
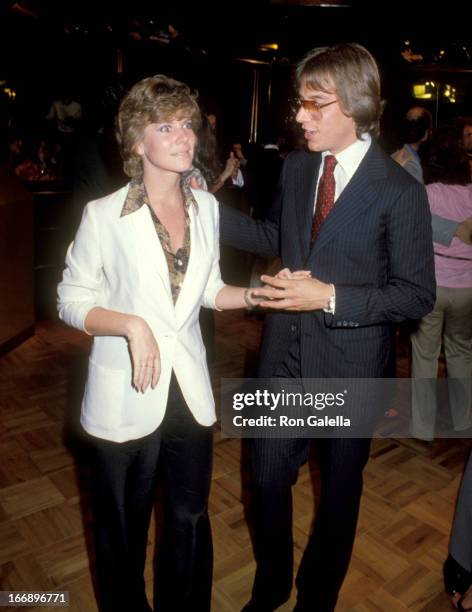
(208, 171)
(144, 260)
(450, 195)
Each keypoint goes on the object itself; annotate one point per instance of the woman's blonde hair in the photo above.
(152, 100)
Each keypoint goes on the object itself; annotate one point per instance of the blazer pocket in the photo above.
(104, 396)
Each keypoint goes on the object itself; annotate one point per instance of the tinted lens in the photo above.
(310, 106)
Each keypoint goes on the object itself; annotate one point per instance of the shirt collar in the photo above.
(350, 158)
(137, 197)
(413, 151)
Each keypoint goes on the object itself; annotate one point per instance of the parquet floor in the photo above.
(45, 542)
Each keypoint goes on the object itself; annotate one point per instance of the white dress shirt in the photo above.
(348, 161)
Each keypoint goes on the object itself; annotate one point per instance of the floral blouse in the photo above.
(177, 262)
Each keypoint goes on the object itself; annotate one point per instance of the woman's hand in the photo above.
(286, 273)
(145, 355)
(232, 166)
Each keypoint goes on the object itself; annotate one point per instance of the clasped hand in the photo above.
(293, 291)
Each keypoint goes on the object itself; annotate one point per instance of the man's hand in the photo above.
(464, 231)
(295, 293)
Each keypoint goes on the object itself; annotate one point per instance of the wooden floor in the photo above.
(45, 542)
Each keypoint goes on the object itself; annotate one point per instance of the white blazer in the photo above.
(118, 263)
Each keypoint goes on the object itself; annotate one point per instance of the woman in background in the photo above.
(447, 180)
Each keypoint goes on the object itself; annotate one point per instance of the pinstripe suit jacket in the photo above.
(375, 247)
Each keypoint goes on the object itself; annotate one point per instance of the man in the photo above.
(263, 171)
(66, 113)
(371, 262)
(417, 127)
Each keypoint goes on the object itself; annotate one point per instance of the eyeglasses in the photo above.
(311, 106)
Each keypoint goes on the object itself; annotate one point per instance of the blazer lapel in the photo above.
(197, 266)
(305, 187)
(151, 258)
(360, 193)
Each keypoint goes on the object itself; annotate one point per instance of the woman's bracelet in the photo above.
(247, 298)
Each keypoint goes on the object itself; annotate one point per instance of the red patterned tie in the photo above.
(325, 197)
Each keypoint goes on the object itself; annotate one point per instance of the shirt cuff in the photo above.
(331, 307)
(238, 180)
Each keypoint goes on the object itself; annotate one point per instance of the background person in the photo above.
(458, 566)
(449, 195)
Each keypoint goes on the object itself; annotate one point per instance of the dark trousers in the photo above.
(124, 478)
(326, 558)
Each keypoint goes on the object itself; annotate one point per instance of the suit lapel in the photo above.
(305, 187)
(152, 262)
(360, 193)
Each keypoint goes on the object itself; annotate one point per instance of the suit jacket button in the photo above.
(293, 328)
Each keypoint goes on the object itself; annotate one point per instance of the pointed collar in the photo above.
(349, 159)
(137, 197)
